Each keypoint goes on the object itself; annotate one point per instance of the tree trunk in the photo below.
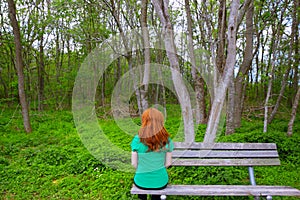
(280, 96)
(128, 55)
(266, 106)
(220, 59)
(198, 81)
(296, 46)
(146, 77)
(103, 83)
(41, 70)
(5, 88)
(220, 94)
(234, 115)
(161, 8)
(19, 65)
(276, 37)
(293, 114)
(209, 74)
(230, 117)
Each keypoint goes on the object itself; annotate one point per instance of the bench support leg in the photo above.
(252, 181)
(251, 175)
(252, 178)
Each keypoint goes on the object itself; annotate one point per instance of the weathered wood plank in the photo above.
(225, 162)
(222, 190)
(222, 146)
(224, 154)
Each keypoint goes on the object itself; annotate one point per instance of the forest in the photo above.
(218, 70)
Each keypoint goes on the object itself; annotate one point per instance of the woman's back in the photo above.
(151, 151)
(151, 171)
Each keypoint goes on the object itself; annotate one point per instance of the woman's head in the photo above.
(153, 133)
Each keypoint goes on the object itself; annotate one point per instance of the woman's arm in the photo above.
(168, 159)
(134, 159)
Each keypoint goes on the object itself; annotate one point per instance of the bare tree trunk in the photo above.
(160, 87)
(198, 83)
(230, 118)
(207, 42)
(146, 77)
(220, 59)
(296, 46)
(4, 84)
(276, 33)
(220, 95)
(290, 63)
(293, 114)
(266, 106)
(41, 70)
(102, 103)
(282, 89)
(244, 69)
(161, 8)
(128, 56)
(234, 115)
(19, 65)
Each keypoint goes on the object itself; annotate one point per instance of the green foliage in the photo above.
(52, 162)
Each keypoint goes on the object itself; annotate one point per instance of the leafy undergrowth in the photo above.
(52, 162)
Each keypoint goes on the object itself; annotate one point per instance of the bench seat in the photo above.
(221, 190)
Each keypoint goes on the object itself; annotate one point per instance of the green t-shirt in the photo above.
(151, 171)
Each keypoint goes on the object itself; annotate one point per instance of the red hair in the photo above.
(153, 133)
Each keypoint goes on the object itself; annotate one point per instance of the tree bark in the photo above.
(5, 88)
(220, 94)
(41, 72)
(19, 65)
(276, 37)
(280, 96)
(220, 59)
(290, 63)
(161, 8)
(293, 114)
(128, 56)
(234, 114)
(230, 117)
(296, 46)
(146, 77)
(198, 81)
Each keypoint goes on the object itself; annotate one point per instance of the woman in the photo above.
(151, 153)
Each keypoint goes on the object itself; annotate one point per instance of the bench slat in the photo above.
(225, 162)
(221, 190)
(223, 146)
(223, 154)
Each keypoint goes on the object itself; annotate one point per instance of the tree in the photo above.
(293, 113)
(276, 37)
(19, 65)
(200, 111)
(221, 87)
(236, 93)
(147, 56)
(161, 8)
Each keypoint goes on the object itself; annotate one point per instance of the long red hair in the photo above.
(153, 133)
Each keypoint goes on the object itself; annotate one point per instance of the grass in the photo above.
(53, 163)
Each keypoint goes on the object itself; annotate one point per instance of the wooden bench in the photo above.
(225, 154)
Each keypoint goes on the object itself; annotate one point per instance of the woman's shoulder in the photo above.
(170, 145)
(137, 145)
(136, 138)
